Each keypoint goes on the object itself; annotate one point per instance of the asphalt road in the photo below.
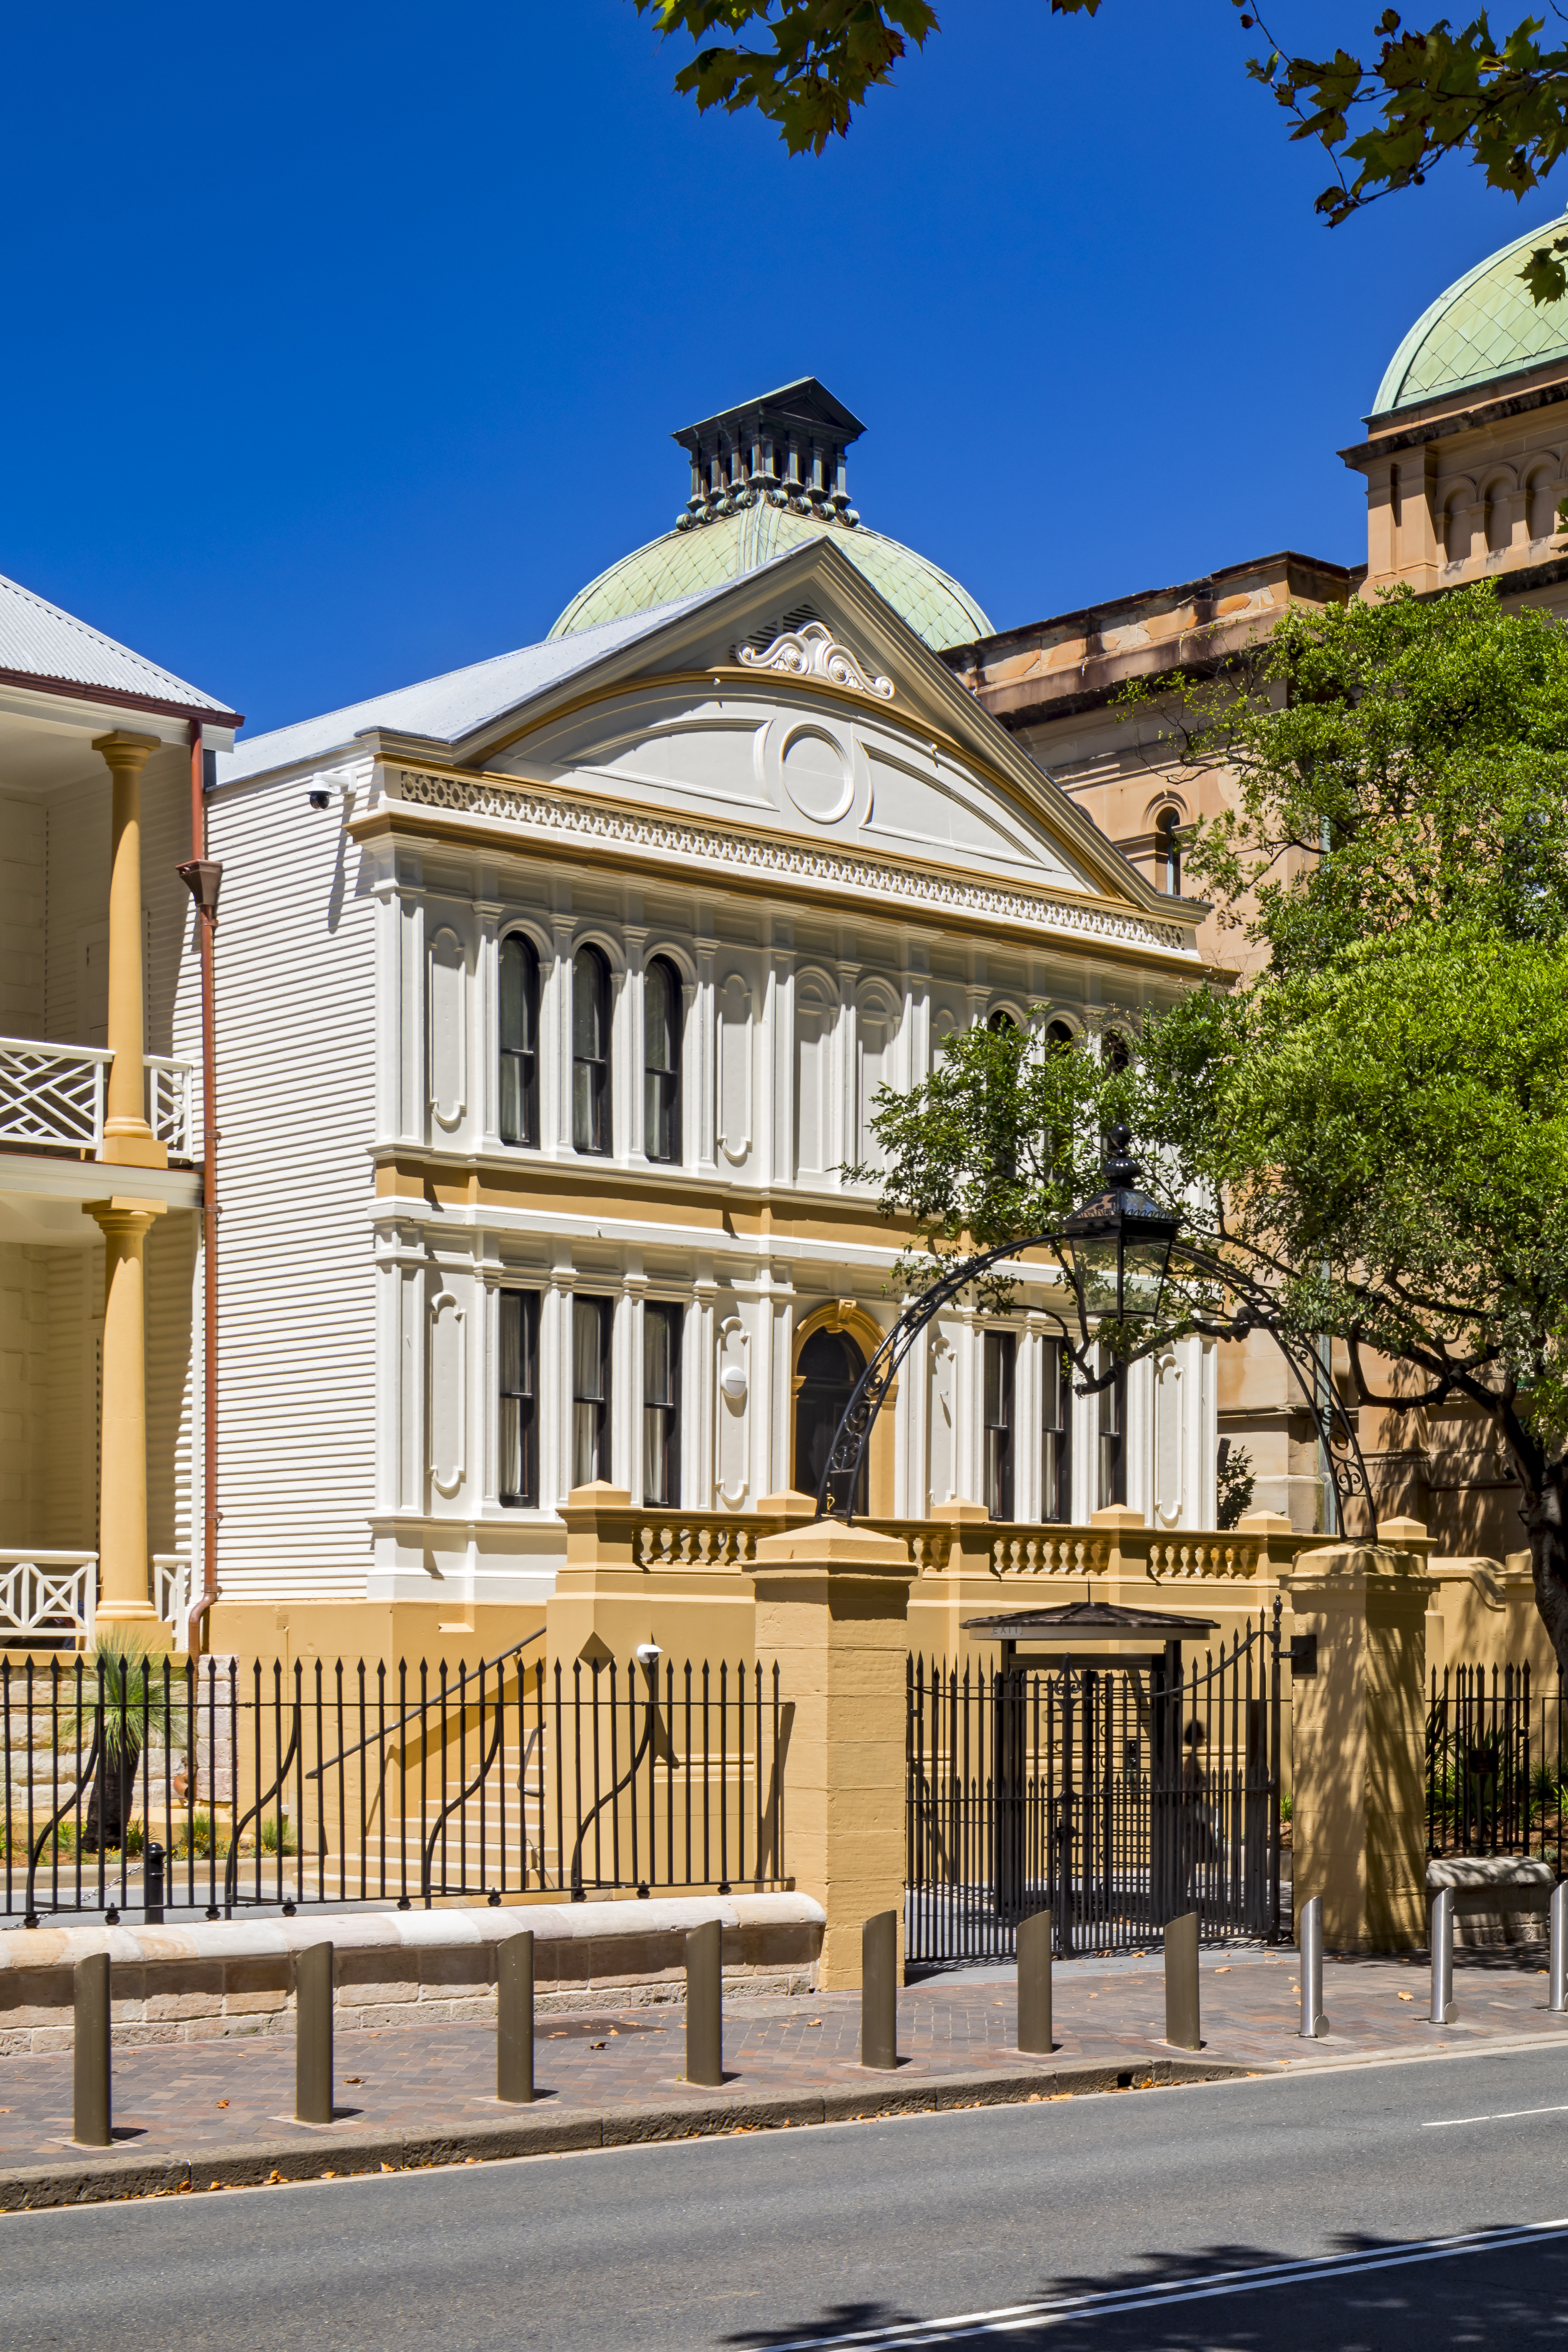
(1320, 2212)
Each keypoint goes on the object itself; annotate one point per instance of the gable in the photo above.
(804, 726)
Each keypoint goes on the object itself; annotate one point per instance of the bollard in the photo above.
(1441, 1933)
(152, 1885)
(1557, 1981)
(514, 2019)
(1182, 1983)
(1035, 1984)
(704, 2000)
(313, 2034)
(1309, 1936)
(879, 1991)
(89, 2053)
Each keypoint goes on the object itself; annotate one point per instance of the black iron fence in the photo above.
(210, 1785)
(1496, 1760)
(1117, 1794)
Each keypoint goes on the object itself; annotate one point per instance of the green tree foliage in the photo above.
(1500, 99)
(1374, 1130)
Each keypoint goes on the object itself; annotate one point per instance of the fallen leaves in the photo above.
(1406, 1995)
(223, 2103)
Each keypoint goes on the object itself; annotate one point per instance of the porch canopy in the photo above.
(1080, 1623)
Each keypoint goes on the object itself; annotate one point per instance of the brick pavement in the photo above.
(182, 2098)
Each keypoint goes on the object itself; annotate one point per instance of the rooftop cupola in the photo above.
(786, 448)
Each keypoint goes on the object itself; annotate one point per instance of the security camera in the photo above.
(646, 1651)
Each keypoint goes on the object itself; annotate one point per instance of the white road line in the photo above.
(1506, 2116)
(1010, 2317)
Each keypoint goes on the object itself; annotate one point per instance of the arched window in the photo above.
(590, 1051)
(1499, 519)
(1116, 1053)
(1057, 1034)
(1168, 853)
(661, 1063)
(1001, 1023)
(828, 1366)
(519, 1040)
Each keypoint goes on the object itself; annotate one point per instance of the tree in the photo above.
(1424, 96)
(1372, 1135)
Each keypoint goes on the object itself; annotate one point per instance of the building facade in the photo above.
(558, 995)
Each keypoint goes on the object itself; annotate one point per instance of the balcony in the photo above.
(51, 1098)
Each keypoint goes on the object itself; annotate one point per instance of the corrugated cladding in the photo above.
(296, 1011)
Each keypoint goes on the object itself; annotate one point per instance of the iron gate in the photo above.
(1116, 1794)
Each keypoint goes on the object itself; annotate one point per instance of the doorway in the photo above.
(827, 1370)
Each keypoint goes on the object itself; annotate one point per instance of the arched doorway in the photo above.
(827, 1370)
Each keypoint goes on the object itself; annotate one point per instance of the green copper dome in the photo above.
(765, 477)
(1485, 326)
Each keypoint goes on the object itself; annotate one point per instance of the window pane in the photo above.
(657, 1350)
(658, 1017)
(587, 1349)
(518, 993)
(587, 1004)
(583, 1107)
(518, 1468)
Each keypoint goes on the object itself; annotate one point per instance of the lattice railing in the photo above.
(169, 1103)
(52, 1095)
(48, 1595)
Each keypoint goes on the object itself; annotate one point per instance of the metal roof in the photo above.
(1482, 326)
(936, 606)
(447, 707)
(38, 640)
(1078, 1617)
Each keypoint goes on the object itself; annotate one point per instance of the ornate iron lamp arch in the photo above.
(1092, 1224)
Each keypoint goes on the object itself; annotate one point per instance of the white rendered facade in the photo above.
(840, 859)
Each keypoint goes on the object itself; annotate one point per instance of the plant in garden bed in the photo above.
(127, 1698)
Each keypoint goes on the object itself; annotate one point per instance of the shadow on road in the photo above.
(1367, 2294)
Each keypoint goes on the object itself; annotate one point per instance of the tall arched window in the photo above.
(661, 1064)
(519, 1040)
(1168, 853)
(590, 1051)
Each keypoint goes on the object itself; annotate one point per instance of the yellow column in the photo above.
(1358, 1738)
(125, 1565)
(128, 1141)
(832, 1606)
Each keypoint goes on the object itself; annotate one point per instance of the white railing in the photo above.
(169, 1103)
(172, 1592)
(52, 1097)
(47, 1592)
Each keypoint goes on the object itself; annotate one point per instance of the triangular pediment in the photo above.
(798, 702)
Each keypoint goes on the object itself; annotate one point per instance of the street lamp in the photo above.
(1116, 1247)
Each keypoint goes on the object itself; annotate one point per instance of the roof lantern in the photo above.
(787, 447)
(767, 475)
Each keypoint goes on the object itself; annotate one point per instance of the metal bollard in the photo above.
(89, 2053)
(879, 1991)
(1441, 1933)
(1035, 1984)
(514, 2020)
(1557, 1981)
(704, 2003)
(313, 2034)
(1309, 1937)
(152, 1885)
(1182, 1983)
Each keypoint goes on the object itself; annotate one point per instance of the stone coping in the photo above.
(1467, 1870)
(392, 1931)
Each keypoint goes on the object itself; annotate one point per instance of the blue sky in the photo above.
(345, 341)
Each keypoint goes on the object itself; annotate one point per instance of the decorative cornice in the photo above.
(536, 806)
(811, 652)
